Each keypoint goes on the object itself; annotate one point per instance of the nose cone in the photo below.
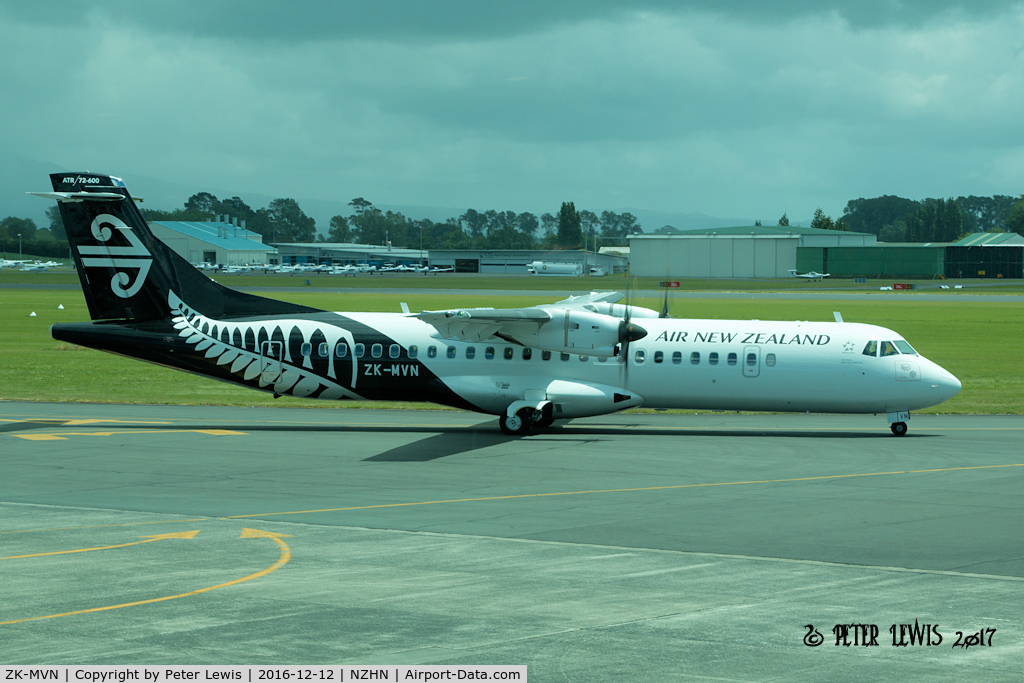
(948, 385)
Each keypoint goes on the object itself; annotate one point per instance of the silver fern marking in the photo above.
(296, 380)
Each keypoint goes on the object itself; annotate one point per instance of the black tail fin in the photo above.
(126, 271)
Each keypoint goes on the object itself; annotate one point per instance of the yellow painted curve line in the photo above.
(286, 555)
(149, 539)
(642, 488)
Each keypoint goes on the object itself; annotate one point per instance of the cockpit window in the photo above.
(888, 349)
(871, 349)
(904, 347)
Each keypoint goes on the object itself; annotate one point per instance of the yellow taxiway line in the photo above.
(625, 490)
(286, 555)
(62, 436)
(149, 539)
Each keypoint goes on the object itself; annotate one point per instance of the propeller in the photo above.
(628, 332)
(664, 307)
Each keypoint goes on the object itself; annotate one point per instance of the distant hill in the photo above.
(19, 175)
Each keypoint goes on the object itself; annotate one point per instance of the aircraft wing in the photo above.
(575, 325)
(592, 298)
(479, 324)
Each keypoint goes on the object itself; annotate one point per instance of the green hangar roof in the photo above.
(991, 239)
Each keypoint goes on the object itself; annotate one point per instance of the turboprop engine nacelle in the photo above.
(581, 332)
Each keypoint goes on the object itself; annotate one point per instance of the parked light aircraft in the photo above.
(812, 275)
(38, 267)
(579, 357)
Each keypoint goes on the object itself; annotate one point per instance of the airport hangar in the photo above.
(215, 241)
(348, 253)
(488, 261)
(739, 252)
(769, 252)
(231, 244)
(507, 261)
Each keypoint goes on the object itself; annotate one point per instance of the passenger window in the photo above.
(414, 351)
(731, 359)
(470, 352)
(677, 357)
(888, 349)
(658, 356)
(376, 350)
(695, 358)
(904, 347)
(360, 350)
(751, 359)
(565, 356)
(431, 352)
(489, 353)
(769, 360)
(639, 356)
(451, 352)
(324, 350)
(509, 352)
(545, 355)
(713, 358)
(871, 349)
(341, 350)
(306, 349)
(395, 351)
(527, 353)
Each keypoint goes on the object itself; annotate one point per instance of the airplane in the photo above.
(812, 275)
(35, 268)
(586, 355)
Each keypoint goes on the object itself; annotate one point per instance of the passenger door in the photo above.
(751, 361)
(272, 353)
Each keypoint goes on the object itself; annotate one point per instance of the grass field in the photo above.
(620, 283)
(979, 342)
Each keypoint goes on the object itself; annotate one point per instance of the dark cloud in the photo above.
(417, 20)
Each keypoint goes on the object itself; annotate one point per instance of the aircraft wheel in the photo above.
(898, 428)
(544, 422)
(517, 425)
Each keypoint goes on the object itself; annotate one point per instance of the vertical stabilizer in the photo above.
(126, 272)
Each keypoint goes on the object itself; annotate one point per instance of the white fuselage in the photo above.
(690, 364)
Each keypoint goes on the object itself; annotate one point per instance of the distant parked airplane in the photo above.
(812, 275)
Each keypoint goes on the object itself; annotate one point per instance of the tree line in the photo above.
(891, 218)
(491, 229)
(284, 221)
(896, 219)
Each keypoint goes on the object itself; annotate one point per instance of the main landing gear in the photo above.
(525, 419)
(519, 424)
(898, 428)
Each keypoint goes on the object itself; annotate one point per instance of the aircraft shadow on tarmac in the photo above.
(453, 440)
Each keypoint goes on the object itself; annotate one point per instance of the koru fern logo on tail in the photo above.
(134, 257)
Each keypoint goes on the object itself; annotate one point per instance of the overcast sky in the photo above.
(727, 108)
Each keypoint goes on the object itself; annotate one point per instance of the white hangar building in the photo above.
(213, 242)
(741, 252)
